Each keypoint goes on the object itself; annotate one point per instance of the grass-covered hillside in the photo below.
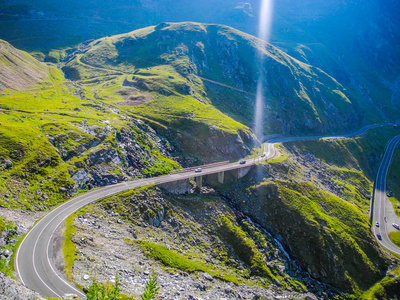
(356, 42)
(213, 69)
(53, 142)
(316, 199)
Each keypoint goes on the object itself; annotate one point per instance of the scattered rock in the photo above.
(208, 277)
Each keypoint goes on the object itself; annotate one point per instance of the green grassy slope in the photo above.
(216, 67)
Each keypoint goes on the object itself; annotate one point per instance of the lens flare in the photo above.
(265, 20)
(264, 31)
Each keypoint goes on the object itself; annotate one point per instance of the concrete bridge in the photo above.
(182, 186)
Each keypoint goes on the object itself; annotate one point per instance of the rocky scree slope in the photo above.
(198, 246)
(192, 60)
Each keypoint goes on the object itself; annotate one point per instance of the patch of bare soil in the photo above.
(133, 100)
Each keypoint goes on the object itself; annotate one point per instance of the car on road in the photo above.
(242, 162)
(379, 236)
(396, 225)
(377, 224)
(198, 170)
(263, 155)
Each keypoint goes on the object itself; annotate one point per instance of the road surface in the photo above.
(32, 260)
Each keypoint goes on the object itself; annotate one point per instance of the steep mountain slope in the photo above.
(356, 42)
(18, 69)
(316, 199)
(213, 66)
(58, 137)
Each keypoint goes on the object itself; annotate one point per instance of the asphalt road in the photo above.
(380, 201)
(32, 260)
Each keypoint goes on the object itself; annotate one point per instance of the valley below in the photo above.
(139, 152)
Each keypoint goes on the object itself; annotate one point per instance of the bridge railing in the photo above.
(203, 167)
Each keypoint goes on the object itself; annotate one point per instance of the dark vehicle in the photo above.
(379, 236)
(242, 162)
(377, 224)
(263, 155)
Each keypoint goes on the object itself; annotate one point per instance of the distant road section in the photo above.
(227, 86)
(32, 260)
(379, 208)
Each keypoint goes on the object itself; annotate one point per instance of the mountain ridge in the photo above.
(191, 50)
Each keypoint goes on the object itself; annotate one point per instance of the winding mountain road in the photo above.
(37, 271)
(379, 208)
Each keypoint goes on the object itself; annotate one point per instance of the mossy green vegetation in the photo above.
(51, 131)
(385, 289)
(182, 74)
(69, 248)
(161, 95)
(7, 265)
(244, 246)
(323, 231)
(329, 217)
(3, 225)
(178, 261)
(395, 237)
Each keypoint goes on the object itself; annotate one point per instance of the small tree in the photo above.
(151, 288)
(104, 291)
(108, 291)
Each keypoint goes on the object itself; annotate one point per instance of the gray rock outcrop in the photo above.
(11, 289)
